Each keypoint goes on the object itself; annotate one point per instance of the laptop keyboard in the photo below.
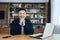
(36, 35)
(39, 36)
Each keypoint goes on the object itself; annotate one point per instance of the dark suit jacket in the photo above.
(15, 27)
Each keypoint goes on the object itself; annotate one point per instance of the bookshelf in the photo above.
(4, 22)
(36, 12)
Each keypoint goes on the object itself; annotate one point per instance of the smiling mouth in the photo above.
(21, 16)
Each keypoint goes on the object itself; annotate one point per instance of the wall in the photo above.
(55, 15)
(4, 7)
(4, 28)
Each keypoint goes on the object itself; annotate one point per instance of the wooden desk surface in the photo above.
(26, 37)
(18, 37)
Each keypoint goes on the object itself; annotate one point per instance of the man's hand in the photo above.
(22, 22)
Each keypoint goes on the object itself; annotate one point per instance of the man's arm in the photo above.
(29, 28)
(13, 28)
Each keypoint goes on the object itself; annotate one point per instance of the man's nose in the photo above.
(21, 14)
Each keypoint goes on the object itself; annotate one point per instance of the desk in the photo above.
(17, 37)
(26, 37)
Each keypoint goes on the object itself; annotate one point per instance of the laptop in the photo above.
(47, 31)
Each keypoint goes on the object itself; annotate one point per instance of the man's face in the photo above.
(22, 14)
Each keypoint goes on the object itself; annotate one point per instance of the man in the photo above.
(17, 24)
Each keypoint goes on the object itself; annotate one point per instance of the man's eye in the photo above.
(23, 13)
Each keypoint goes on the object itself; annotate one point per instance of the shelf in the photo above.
(36, 12)
(38, 23)
(37, 18)
(32, 18)
(31, 12)
(32, 8)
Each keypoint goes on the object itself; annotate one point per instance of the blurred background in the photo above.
(39, 12)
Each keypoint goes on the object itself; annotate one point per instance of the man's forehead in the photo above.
(22, 11)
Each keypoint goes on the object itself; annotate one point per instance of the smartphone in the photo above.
(6, 36)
